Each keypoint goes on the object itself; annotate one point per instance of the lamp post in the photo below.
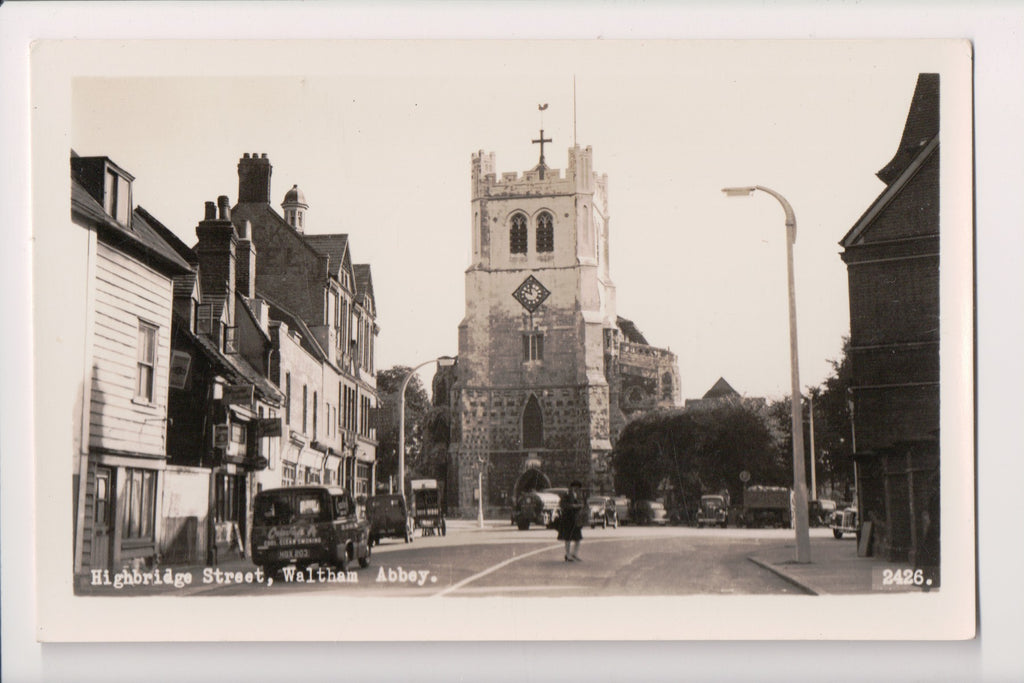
(442, 361)
(814, 480)
(803, 539)
(480, 492)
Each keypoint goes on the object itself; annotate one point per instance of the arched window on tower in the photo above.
(533, 424)
(517, 236)
(545, 233)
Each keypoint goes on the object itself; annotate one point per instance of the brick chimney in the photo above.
(216, 251)
(254, 178)
(245, 262)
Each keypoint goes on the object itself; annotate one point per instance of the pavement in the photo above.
(835, 569)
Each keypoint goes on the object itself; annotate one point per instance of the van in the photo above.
(305, 525)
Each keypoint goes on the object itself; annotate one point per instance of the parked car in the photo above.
(713, 511)
(845, 522)
(305, 525)
(623, 509)
(603, 512)
(389, 517)
(650, 512)
(819, 512)
(536, 507)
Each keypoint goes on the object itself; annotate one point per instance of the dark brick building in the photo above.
(892, 259)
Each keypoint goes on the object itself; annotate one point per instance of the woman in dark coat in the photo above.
(570, 524)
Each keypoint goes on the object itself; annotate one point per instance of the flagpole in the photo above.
(574, 110)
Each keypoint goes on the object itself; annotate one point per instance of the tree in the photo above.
(417, 404)
(690, 452)
(832, 426)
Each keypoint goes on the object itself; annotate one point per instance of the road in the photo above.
(502, 561)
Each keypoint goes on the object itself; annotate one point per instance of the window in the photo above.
(288, 398)
(315, 406)
(204, 319)
(238, 433)
(139, 502)
(533, 346)
(146, 369)
(305, 408)
(545, 233)
(288, 474)
(533, 424)
(230, 340)
(517, 235)
(117, 199)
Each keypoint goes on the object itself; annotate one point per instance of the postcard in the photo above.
(503, 340)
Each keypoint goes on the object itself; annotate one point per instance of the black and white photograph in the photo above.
(499, 323)
(569, 341)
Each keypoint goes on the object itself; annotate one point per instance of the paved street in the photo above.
(502, 561)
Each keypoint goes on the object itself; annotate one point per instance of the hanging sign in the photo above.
(180, 362)
(238, 394)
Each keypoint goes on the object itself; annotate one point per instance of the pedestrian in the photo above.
(570, 523)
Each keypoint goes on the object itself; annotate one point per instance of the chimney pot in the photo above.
(224, 207)
(211, 211)
(245, 156)
(264, 156)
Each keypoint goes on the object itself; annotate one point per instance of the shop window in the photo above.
(140, 504)
(288, 474)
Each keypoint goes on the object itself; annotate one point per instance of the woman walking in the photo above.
(570, 522)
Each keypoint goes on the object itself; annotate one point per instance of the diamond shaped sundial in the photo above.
(531, 294)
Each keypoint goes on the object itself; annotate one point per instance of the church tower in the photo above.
(531, 399)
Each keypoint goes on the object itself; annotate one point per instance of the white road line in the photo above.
(495, 568)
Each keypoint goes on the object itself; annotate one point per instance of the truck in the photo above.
(767, 506)
(427, 507)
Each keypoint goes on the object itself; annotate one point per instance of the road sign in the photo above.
(744, 476)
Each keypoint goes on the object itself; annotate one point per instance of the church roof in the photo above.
(721, 389)
(630, 331)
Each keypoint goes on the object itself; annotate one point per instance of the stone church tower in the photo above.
(532, 397)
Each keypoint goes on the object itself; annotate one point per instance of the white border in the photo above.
(997, 140)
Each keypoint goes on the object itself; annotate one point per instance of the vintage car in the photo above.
(602, 512)
(389, 518)
(713, 511)
(650, 512)
(306, 525)
(844, 522)
(819, 512)
(536, 507)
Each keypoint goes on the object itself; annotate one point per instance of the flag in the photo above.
(542, 107)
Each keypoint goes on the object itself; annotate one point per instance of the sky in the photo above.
(379, 135)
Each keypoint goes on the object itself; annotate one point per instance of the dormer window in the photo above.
(117, 196)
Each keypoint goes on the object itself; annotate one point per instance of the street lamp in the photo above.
(443, 362)
(803, 539)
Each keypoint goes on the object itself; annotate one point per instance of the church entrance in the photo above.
(530, 480)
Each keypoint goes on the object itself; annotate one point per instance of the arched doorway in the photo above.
(530, 480)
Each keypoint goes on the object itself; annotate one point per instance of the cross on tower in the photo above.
(541, 142)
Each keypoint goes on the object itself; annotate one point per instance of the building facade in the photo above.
(323, 323)
(120, 459)
(543, 364)
(892, 259)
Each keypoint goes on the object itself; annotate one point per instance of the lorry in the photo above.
(767, 506)
(427, 508)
